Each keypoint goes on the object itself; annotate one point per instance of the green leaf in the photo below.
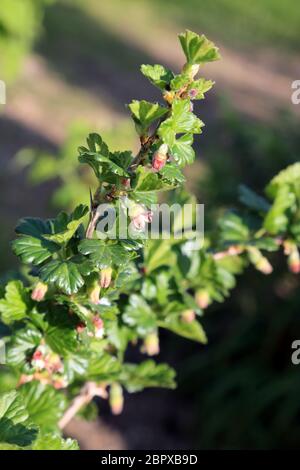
(21, 344)
(201, 86)
(103, 367)
(103, 255)
(98, 157)
(14, 306)
(157, 254)
(182, 150)
(253, 200)
(290, 176)
(54, 442)
(276, 220)
(233, 228)
(31, 246)
(145, 113)
(64, 275)
(192, 330)
(198, 49)
(61, 334)
(158, 75)
(44, 404)
(66, 225)
(181, 121)
(138, 314)
(147, 374)
(15, 427)
(146, 186)
(172, 174)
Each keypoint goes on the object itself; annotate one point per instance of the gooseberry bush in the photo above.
(82, 300)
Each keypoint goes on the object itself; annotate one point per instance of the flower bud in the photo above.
(188, 316)
(160, 157)
(202, 298)
(99, 327)
(105, 277)
(39, 291)
(94, 293)
(260, 262)
(291, 250)
(116, 398)
(139, 216)
(193, 92)
(151, 344)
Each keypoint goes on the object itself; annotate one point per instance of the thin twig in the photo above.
(87, 393)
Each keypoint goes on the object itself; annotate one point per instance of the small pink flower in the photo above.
(39, 291)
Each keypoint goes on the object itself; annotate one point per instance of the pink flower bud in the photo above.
(105, 277)
(188, 316)
(151, 344)
(202, 298)
(291, 250)
(39, 291)
(193, 93)
(260, 262)
(99, 327)
(116, 399)
(160, 157)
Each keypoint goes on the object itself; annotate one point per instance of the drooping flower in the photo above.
(202, 298)
(116, 399)
(160, 157)
(291, 250)
(105, 277)
(39, 291)
(261, 263)
(151, 344)
(94, 293)
(188, 316)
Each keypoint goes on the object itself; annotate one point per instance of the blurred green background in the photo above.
(70, 68)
